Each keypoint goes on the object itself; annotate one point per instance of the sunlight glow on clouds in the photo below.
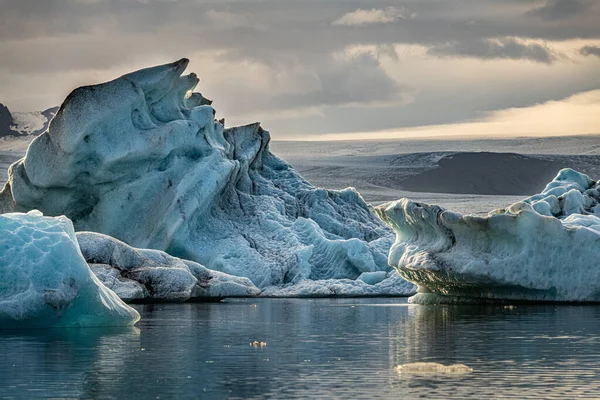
(361, 17)
(574, 115)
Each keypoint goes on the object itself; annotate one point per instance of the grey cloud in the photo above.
(560, 9)
(590, 51)
(43, 39)
(291, 20)
(229, 20)
(495, 49)
(437, 107)
(356, 81)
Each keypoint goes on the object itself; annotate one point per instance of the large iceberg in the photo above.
(45, 282)
(142, 159)
(544, 248)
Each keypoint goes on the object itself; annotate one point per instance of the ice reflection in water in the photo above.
(345, 348)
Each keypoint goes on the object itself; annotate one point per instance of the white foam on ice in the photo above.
(45, 282)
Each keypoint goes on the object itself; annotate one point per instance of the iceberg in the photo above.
(143, 275)
(543, 248)
(142, 159)
(45, 281)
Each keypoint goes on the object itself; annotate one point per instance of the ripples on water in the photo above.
(322, 348)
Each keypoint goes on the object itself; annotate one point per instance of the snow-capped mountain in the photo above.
(16, 124)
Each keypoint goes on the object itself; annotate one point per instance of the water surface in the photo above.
(322, 348)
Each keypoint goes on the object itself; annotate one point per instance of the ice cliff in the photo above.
(45, 282)
(143, 160)
(544, 248)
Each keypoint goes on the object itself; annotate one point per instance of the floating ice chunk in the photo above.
(45, 282)
(520, 254)
(431, 368)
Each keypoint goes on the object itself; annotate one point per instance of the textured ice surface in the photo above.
(391, 284)
(152, 275)
(45, 282)
(142, 160)
(544, 248)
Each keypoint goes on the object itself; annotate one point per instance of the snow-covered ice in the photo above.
(544, 248)
(153, 275)
(143, 160)
(45, 282)
(24, 125)
(33, 122)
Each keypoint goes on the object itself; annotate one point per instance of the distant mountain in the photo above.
(18, 124)
(6, 122)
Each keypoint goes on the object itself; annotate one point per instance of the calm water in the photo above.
(315, 349)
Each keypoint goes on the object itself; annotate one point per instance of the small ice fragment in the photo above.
(431, 368)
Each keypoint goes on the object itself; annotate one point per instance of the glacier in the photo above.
(45, 281)
(543, 248)
(142, 159)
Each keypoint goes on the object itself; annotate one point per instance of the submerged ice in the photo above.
(142, 159)
(544, 248)
(45, 282)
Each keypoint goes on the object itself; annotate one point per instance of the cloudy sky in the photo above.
(327, 69)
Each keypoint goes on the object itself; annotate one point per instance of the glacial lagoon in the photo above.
(315, 348)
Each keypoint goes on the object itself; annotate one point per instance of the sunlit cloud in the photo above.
(575, 115)
(362, 17)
